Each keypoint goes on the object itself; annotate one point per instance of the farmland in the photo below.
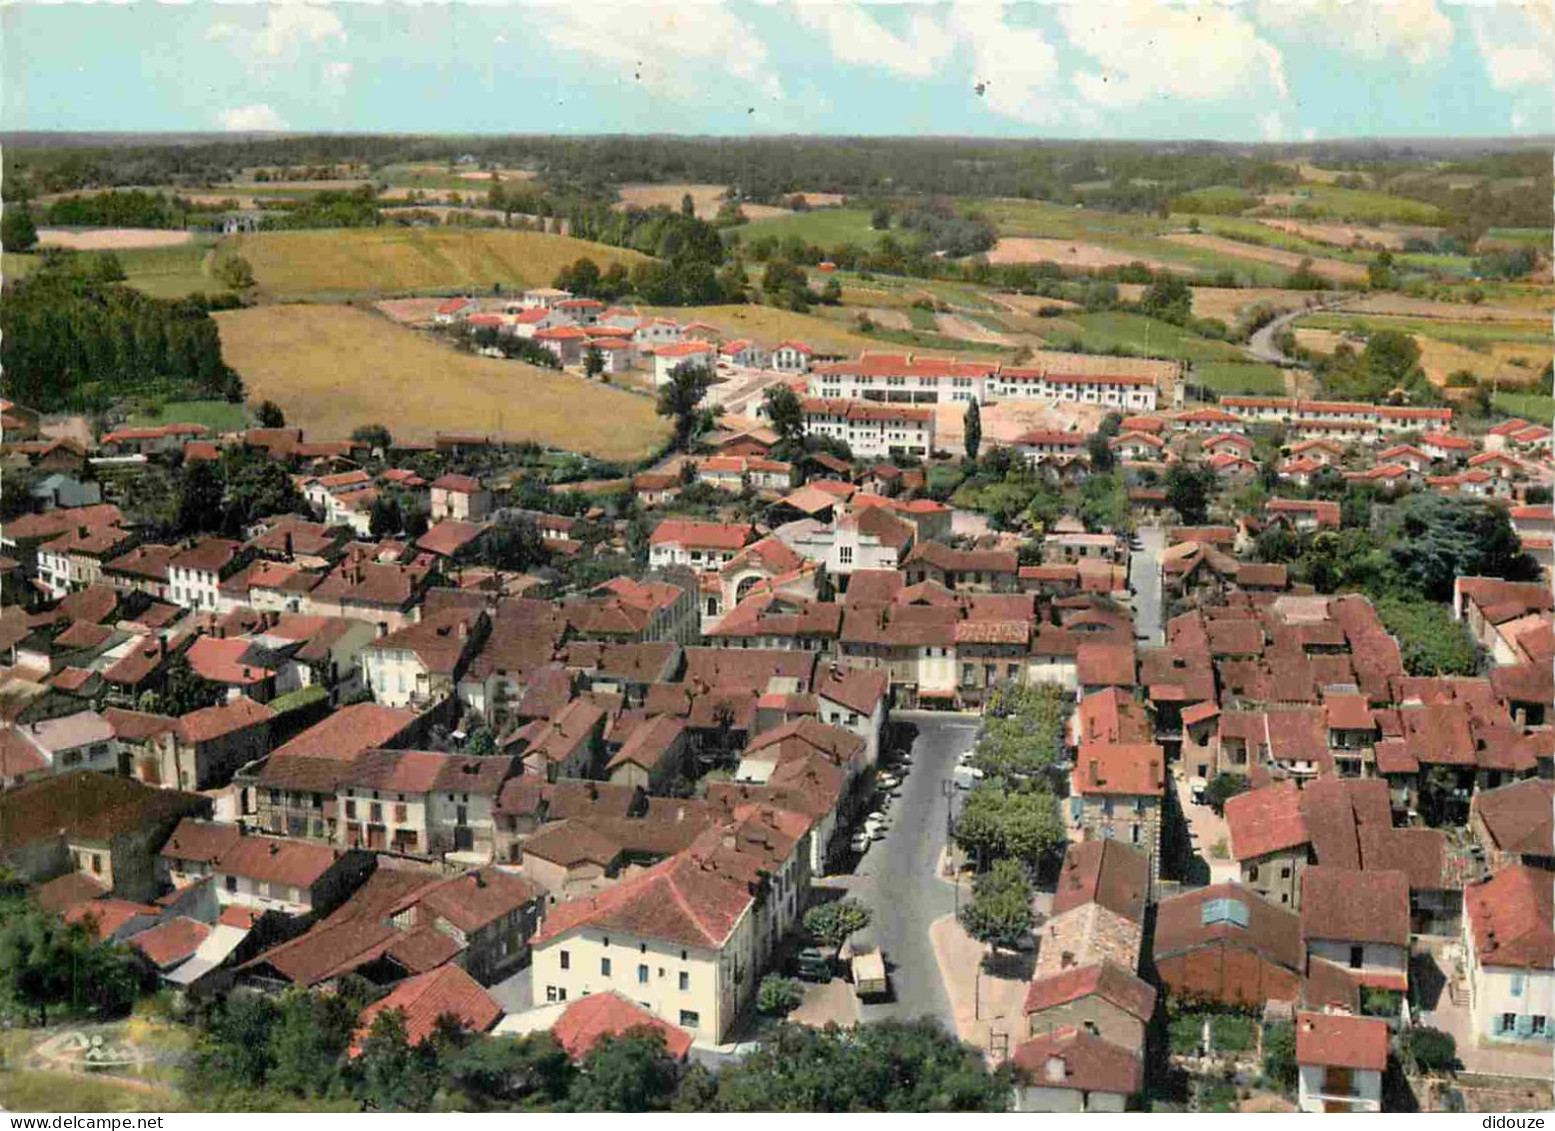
(1032, 249)
(1290, 260)
(1105, 331)
(110, 239)
(333, 368)
(164, 272)
(323, 264)
(824, 227)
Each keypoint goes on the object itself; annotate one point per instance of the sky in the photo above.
(1257, 70)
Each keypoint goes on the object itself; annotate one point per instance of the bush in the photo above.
(1185, 1034)
(779, 996)
(1428, 1050)
(1279, 1055)
(1230, 1032)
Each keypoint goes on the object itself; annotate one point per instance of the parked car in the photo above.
(869, 974)
(860, 842)
(811, 965)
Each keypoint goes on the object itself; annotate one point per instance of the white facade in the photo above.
(1321, 1089)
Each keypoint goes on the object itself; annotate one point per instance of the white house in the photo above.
(1341, 1060)
(1509, 943)
(745, 353)
(791, 357)
(871, 431)
(669, 357)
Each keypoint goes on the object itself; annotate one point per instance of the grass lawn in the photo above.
(922, 319)
(1234, 378)
(1535, 407)
(824, 227)
(1147, 337)
(333, 368)
(56, 1091)
(378, 261)
(218, 416)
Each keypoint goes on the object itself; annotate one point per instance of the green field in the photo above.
(1534, 407)
(218, 416)
(1147, 337)
(1316, 201)
(1236, 378)
(824, 227)
(1217, 200)
(922, 319)
(165, 272)
(1467, 334)
(382, 261)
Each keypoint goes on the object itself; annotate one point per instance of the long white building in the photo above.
(908, 379)
(872, 430)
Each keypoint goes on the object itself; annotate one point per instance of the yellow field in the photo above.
(1066, 253)
(399, 260)
(1405, 307)
(1439, 359)
(333, 368)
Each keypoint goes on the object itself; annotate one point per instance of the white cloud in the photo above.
(1271, 126)
(1517, 43)
(337, 74)
(1413, 30)
(1145, 50)
(683, 48)
(246, 119)
(854, 36)
(289, 25)
(1016, 66)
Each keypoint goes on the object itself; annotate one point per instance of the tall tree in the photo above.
(786, 415)
(628, 1073)
(680, 398)
(269, 415)
(832, 923)
(1188, 491)
(593, 362)
(999, 912)
(972, 427)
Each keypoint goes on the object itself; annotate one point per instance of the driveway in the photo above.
(1206, 832)
(1144, 574)
(897, 878)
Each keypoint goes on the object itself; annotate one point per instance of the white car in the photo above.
(888, 781)
(860, 842)
(877, 816)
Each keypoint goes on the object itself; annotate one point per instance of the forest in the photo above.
(76, 339)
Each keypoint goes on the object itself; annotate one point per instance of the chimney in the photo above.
(288, 543)
(382, 630)
(1095, 771)
(162, 647)
(1155, 770)
(464, 630)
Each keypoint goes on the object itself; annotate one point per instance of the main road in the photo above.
(898, 878)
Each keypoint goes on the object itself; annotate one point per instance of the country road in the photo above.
(1261, 345)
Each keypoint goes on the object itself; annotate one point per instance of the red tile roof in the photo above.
(1132, 770)
(586, 1020)
(201, 841)
(426, 997)
(1346, 905)
(1105, 872)
(1106, 980)
(701, 535)
(1264, 821)
(1510, 916)
(294, 863)
(1519, 818)
(171, 941)
(346, 733)
(210, 723)
(1078, 1061)
(1332, 1040)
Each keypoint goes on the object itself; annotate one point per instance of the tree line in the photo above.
(73, 339)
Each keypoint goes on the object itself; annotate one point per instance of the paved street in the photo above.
(897, 879)
(1144, 574)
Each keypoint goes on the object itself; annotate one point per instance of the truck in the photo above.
(869, 976)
